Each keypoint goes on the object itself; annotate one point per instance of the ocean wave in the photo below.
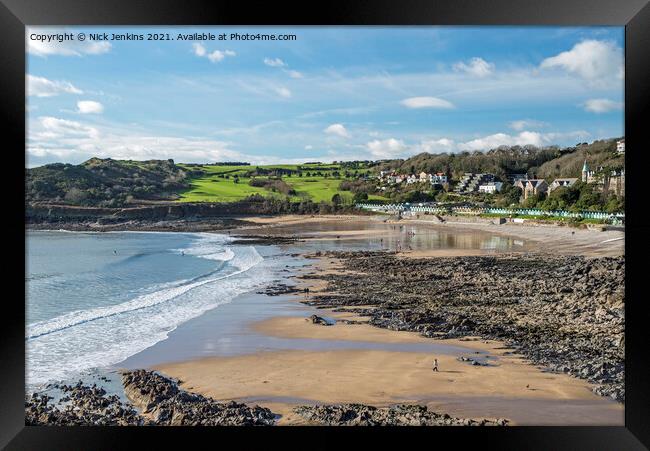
(240, 263)
(209, 246)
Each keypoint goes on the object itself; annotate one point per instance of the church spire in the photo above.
(585, 172)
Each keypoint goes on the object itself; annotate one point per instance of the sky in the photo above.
(332, 93)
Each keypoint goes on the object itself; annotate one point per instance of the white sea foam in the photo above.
(80, 340)
(210, 247)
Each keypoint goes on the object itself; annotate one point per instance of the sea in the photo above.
(94, 299)
(101, 301)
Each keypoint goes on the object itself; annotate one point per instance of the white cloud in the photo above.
(435, 146)
(503, 139)
(387, 148)
(277, 62)
(521, 139)
(53, 128)
(598, 62)
(526, 123)
(274, 62)
(309, 147)
(199, 50)
(338, 130)
(215, 56)
(64, 48)
(52, 139)
(426, 102)
(602, 105)
(42, 87)
(394, 148)
(282, 92)
(89, 107)
(294, 74)
(476, 66)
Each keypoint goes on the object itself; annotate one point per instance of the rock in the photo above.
(168, 405)
(161, 401)
(564, 313)
(83, 405)
(399, 415)
(315, 319)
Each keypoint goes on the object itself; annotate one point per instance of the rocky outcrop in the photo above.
(80, 406)
(315, 319)
(565, 313)
(171, 216)
(179, 216)
(161, 400)
(263, 240)
(400, 415)
(282, 288)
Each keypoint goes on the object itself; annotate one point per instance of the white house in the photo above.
(491, 187)
(439, 178)
(620, 146)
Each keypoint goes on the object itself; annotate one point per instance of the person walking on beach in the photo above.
(435, 365)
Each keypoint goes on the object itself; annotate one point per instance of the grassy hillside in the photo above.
(315, 182)
(105, 182)
(112, 183)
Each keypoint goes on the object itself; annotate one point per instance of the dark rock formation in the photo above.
(400, 415)
(565, 313)
(263, 239)
(281, 288)
(161, 399)
(80, 406)
(162, 403)
(315, 319)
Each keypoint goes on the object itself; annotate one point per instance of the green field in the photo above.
(213, 186)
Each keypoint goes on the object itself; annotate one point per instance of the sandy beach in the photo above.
(508, 386)
(550, 238)
(282, 380)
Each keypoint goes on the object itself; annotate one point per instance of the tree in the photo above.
(75, 196)
(588, 200)
(509, 195)
(615, 205)
(336, 199)
(360, 197)
(533, 200)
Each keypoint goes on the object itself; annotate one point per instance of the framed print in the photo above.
(334, 220)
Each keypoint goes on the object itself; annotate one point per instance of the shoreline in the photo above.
(546, 238)
(555, 397)
(399, 371)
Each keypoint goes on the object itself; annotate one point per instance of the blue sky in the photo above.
(335, 93)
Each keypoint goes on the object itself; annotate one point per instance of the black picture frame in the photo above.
(633, 14)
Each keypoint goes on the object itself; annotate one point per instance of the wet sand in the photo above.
(534, 238)
(508, 387)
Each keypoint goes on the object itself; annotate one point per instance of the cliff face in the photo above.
(38, 213)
